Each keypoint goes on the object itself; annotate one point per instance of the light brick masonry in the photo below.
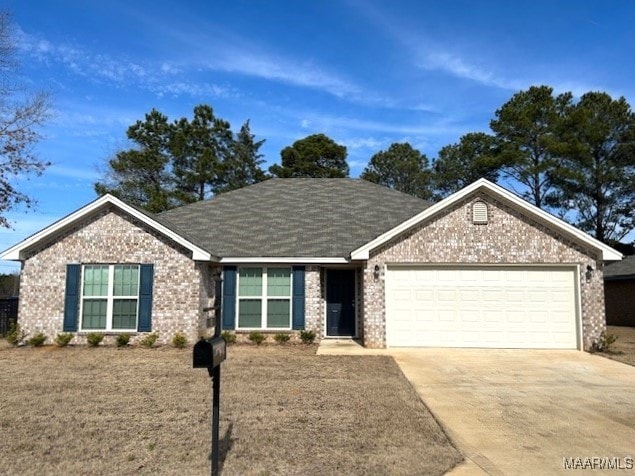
(509, 237)
(315, 303)
(181, 287)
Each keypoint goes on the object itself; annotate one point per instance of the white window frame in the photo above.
(264, 299)
(110, 298)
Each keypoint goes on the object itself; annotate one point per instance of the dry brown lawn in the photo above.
(284, 410)
(624, 347)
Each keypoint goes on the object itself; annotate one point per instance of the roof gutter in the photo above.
(283, 259)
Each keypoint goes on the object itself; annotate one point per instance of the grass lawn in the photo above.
(624, 347)
(284, 410)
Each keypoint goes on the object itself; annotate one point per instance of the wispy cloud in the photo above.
(190, 88)
(226, 51)
(285, 70)
(459, 59)
(80, 172)
(329, 122)
(172, 78)
(460, 68)
(355, 143)
(161, 77)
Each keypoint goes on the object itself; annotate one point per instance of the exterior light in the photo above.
(376, 271)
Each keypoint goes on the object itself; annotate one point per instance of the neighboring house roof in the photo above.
(505, 196)
(297, 217)
(17, 252)
(624, 269)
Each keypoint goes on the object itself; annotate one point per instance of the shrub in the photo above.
(122, 339)
(307, 337)
(37, 340)
(257, 337)
(179, 340)
(604, 342)
(149, 340)
(94, 338)
(229, 337)
(63, 339)
(282, 338)
(15, 334)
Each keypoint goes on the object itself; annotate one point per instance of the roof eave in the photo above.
(284, 259)
(18, 251)
(608, 253)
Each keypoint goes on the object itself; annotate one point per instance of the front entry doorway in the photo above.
(340, 302)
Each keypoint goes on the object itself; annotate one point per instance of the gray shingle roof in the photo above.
(299, 217)
(620, 269)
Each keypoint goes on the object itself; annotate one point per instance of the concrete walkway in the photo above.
(524, 412)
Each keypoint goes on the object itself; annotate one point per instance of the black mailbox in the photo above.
(209, 353)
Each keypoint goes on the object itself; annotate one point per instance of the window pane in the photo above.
(124, 314)
(96, 280)
(250, 282)
(278, 313)
(94, 314)
(126, 280)
(250, 313)
(278, 282)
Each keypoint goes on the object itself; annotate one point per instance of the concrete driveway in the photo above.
(522, 412)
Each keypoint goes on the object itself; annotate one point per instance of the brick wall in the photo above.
(181, 286)
(508, 238)
(314, 307)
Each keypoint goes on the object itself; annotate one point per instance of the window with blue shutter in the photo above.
(298, 297)
(229, 298)
(146, 277)
(109, 297)
(71, 300)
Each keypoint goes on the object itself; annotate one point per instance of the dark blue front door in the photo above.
(340, 302)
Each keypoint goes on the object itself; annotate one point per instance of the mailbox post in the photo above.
(209, 354)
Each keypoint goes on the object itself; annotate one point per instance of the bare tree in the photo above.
(21, 115)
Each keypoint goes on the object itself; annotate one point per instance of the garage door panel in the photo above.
(513, 276)
(470, 276)
(445, 295)
(424, 295)
(481, 307)
(469, 294)
(537, 317)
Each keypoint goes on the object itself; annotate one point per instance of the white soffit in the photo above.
(16, 252)
(283, 259)
(608, 253)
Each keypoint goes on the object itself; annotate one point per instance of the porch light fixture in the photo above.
(589, 272)
(376, 271)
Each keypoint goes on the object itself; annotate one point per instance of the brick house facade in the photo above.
(508, 238)
(182, 287)
(185, 249)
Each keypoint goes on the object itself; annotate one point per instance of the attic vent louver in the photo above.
(479, 213)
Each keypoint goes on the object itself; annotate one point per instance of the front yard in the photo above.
(284, 410)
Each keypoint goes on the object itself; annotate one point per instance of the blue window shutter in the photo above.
(298, 298)
(71, 300)
(229, 297)
(146, 276)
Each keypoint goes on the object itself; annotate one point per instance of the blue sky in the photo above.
(366, 73)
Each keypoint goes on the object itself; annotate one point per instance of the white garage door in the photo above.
(496, 307)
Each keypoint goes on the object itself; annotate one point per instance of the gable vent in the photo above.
(479, 213)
